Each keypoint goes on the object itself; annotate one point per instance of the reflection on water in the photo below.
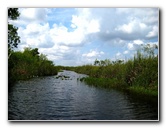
(66, 98)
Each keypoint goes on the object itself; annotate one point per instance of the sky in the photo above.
(78, 36)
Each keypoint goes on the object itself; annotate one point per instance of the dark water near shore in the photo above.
(66, 98)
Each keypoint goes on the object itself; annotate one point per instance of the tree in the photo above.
(13, 13)
(13, 38)
(107, 62)
(149, 49)
(34, 52)
(102, 63)
(97, 62)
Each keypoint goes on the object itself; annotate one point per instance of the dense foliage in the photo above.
(139, 74)
(28, 64)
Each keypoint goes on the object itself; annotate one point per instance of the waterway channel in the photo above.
(64, 97)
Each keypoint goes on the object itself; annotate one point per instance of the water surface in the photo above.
(66, 98)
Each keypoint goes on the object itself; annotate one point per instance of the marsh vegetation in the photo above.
(137, 75)
(69, 95)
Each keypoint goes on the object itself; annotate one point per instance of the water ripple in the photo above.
(51, 98)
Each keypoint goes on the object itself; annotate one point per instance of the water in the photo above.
(51, 98)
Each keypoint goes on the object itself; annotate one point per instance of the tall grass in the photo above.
(139, 75)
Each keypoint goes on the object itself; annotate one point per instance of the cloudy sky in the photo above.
(77, 36)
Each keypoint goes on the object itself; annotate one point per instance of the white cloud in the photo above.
(118, 54)
(153, 33)
(93, 53)
(73, 26)
(126, 52)
(33, 14)
(143, 26)
(125, 23)
(35, 28)
(89, 58)
(81, 24)
(93, 26)
(28, 13)
(148, 16)
(130, 46)
(133, 27)
(61, 55)
(135, 45)
(61, 37)
(84, 22)
(36, 35)
(138, 42)
(117, 42)
(126, 28)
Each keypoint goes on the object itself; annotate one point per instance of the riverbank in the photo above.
(141, 93)
(138, 76)
(115, 84)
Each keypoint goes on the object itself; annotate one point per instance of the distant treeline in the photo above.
(27, 64)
